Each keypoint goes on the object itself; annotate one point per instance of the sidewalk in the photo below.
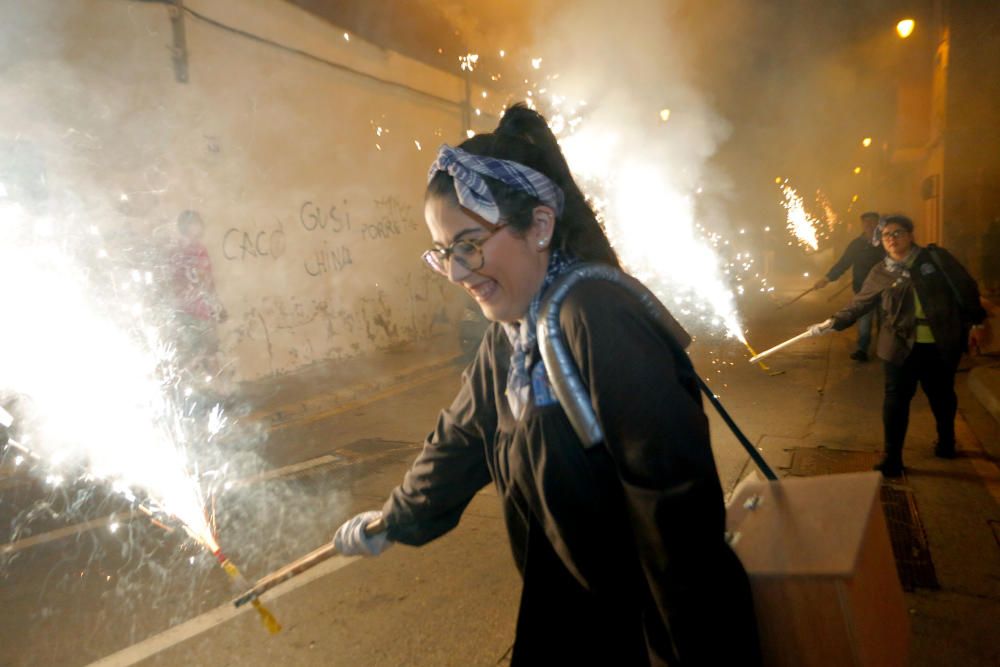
(951, 560)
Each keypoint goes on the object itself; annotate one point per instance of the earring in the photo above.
(542, 243)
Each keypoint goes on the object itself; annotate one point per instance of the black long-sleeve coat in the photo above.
(892, 292)
(860, 256)
(621, 546)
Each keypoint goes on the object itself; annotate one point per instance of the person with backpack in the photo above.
(929, 312)
(621, 546)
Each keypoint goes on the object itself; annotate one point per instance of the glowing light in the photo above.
(98, 402)
(502, 53)
(468, 61)
(799, 223)
(854, 198)
(664, 115)
(905, 28)
(866, 142)
(857, 170)
(470, 133)
(417, 144)
(347, 37)
(536, 63)
(777, 180)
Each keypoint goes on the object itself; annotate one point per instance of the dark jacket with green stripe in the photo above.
(948, 293)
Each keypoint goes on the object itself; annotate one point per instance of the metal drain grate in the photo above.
(810, 461)
(909, 541)
(906, 531)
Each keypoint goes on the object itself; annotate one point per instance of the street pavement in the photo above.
(337, 443)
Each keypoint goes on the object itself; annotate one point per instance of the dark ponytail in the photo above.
(523, 136)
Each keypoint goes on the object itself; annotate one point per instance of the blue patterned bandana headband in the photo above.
(468, 170)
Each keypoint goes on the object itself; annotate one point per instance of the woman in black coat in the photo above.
(621, 547)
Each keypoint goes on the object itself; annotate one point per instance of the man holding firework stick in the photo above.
(862, 253)
(929, 311)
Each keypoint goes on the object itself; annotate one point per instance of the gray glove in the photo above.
(824, 327)
(350, 538)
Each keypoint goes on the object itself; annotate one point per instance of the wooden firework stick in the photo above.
(796, 298)
(299, 566)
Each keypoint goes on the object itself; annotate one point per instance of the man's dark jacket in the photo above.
(948, 315)
(860, 255)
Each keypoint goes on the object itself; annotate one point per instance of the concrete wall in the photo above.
(972, 135)
(309, 177)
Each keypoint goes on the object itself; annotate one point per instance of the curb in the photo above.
(278, 416)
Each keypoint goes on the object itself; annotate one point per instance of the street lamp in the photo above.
(905, 28)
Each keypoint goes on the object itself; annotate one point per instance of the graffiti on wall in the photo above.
(242, 244)
(326, 240)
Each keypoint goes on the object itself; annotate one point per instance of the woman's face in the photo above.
(513, 267)
(897, 241)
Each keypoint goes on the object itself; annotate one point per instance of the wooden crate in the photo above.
(824, 581)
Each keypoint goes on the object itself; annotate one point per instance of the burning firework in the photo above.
(802, 225)
(651, 222)
(99, 381)
(828, 213)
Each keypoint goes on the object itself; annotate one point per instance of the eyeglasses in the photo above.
(898, 233)
(467, 252)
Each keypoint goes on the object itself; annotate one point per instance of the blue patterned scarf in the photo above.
(902, 266)
(468, 170)
(522, 337)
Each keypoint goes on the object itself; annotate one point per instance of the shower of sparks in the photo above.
(97, 407)
(799, 222)
(651, 222)
(828, 213)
